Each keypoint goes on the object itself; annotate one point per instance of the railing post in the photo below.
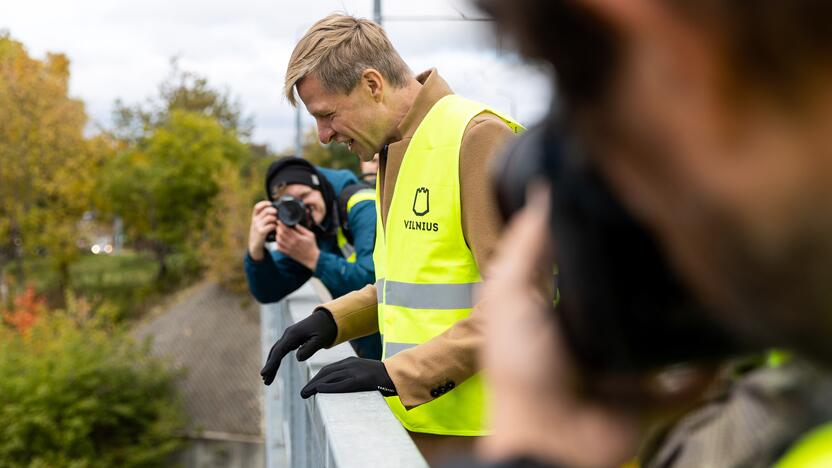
(270, 325)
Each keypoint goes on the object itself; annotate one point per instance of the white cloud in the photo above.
(121, 49)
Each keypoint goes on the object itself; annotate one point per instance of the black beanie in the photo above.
(291, 170)
(294, 170)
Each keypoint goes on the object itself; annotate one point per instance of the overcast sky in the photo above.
(122, 49)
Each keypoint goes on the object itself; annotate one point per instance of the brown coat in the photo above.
(452, 355)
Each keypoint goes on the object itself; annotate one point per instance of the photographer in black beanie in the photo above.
(333, 242)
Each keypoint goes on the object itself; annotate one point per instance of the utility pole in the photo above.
(377, 11)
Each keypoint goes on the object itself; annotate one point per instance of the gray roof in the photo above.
(216, 340)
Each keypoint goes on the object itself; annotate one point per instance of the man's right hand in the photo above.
(263, 222)
(307, 336)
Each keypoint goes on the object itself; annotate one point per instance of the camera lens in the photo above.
(290, 210)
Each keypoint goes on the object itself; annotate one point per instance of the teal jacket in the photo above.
(277, 275)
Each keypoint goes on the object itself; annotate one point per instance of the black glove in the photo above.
(351, 375)
(307, 336)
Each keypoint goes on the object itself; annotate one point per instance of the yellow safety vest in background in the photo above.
(425, 272)
(347, 249)
(813, 450)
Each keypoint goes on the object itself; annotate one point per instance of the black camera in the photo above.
(291, 211)
(622, 306)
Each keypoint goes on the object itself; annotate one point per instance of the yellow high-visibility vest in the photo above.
(814, 450)
(347, 249)
(425, 272)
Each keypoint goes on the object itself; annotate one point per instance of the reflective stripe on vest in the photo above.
(430, 296)
(360, 196)
(814, 450)
(425, 272)
(347, 249)
(391, 349)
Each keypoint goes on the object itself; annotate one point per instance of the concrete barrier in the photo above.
(353, 430)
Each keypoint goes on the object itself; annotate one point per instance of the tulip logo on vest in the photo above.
(421, 207)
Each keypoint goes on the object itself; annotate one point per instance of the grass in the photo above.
(126, 283)
(105, 273)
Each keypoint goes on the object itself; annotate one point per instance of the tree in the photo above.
(46, 165)
(182, 90)
(75, 393)
(164, 186)
(226, 235)
(227, 190)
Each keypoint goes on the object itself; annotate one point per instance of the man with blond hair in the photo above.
(437, 227)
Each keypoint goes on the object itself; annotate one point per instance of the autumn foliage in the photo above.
(75, 389)
(46, 163)
(27, 309)
(76, 392)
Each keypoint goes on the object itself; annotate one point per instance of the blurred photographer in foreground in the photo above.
(706, 125)
(324, 223)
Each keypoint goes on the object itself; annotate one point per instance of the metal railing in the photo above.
(326, 431)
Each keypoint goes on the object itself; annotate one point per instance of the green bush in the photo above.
(76, 393)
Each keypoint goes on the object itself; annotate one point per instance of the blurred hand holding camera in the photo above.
(263, 222)
(536, 409)
(546, 404)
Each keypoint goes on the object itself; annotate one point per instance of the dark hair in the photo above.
(770, 45)
(579, 46)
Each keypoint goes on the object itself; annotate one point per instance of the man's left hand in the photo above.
(298, 243)
(351, 375)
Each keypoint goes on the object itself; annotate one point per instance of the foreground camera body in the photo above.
(291, 211)
(622, 307)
